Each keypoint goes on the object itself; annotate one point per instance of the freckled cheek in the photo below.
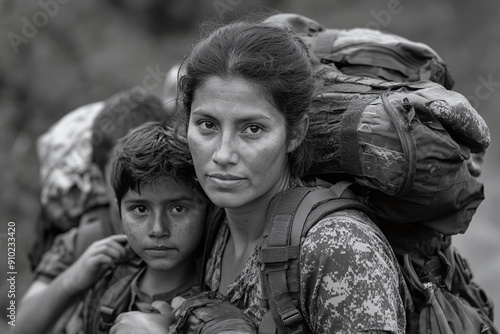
(135, 234)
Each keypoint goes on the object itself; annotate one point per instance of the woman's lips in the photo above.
(226, 181)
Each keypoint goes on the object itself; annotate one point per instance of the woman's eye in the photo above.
(207, 125)
(253, 129)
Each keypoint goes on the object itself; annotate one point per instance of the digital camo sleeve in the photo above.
(349, 277)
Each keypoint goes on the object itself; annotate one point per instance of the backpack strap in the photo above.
(290, 216)
(276, 252)
(114, 301)
(111, 295)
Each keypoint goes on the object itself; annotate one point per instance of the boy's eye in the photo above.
(178, 208)
(139, 209)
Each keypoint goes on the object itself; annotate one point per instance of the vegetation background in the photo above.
(78, 52)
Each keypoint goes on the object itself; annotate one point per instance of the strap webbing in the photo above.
(311, 200)
(289, 217)
(276, 253)
(349, 143)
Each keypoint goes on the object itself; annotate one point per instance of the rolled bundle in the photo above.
(388, 137)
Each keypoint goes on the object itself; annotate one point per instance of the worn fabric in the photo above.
(70, 183)
(141, 301)
(58, 258)
(246, 291)
(67, 246)
(209, 312)
(350, 279)
(120, 290)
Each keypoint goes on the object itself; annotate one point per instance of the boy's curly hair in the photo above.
(152, 152)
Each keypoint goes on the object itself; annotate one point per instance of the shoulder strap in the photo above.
(276, 254)
(290, 216)
(111, 295)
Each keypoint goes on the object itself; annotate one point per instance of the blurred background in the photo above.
(57, 55)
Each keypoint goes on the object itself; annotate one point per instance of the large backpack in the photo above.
(390, 139)
(404, 138)
(405, 145)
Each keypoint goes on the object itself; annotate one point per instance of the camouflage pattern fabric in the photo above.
(350, 279)
(58, 258)
(70, 183)
(68, 246)
(210, 313)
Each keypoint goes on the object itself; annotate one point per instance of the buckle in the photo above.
(273, 267)
(292, 318)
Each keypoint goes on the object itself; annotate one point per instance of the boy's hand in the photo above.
(98, 257)
(136, 322)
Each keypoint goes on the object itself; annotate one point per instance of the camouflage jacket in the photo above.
(350, 279)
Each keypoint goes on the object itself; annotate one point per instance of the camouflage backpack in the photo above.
(386, 121)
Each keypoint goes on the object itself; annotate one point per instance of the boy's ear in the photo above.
(298, 133)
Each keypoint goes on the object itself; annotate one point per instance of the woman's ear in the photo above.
(298, 133)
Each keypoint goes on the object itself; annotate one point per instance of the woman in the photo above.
(246, 91)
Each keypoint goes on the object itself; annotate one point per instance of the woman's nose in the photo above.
(226, 151)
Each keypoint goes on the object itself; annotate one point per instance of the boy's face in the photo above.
(164, 223)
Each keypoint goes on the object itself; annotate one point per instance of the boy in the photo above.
(163, 213)
(120, 113)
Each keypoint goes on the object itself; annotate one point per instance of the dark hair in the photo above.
(121, 113)
(152, 152)
(269, 55)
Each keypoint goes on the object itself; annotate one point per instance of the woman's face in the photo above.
(238, 143)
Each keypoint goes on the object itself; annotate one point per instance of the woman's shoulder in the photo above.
(345, 258)
(350, 235)
(349, 223)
